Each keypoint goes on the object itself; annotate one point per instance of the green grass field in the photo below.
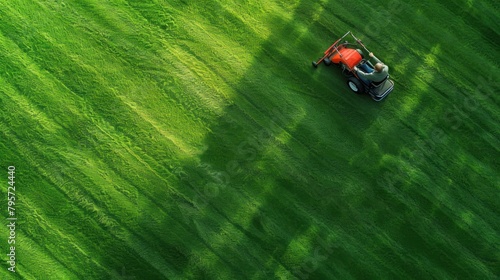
(193, 140)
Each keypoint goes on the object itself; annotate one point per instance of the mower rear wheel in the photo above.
(355, 85)
(327, 61)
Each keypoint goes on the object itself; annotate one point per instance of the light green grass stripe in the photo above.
(111, 72)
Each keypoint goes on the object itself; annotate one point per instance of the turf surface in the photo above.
(183, 140)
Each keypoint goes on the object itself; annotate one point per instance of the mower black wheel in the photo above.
(355, 85)
(327, 61)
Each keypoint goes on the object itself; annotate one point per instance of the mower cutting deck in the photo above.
(347, 56)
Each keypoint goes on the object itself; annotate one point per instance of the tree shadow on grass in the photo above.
(277, 165)
(264, 160)
(278, 168)
(281, 165)
(264, 171)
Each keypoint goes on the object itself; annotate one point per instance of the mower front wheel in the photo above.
(355, 85)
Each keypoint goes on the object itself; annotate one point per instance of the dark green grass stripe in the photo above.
(254, 240)
(417, 251)
(473, 256)
(463, 103)
(479, 15)
(452, 253)
(264, 137)
(429, 141)
(426, 160)
(230, 252)
(287, 230)
(451, 216)
(412, 238)
(459, 218)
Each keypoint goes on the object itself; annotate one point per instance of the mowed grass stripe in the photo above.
(455, 207)
(60, 246)
(163, 79)
(37, 260)
(74, 119)
(281, 219)
(159, 222)
(106, 225)
(480, 16)
(223, 50)
(252, 90)
(111, 72)
(52, 200)
(181, 73)
(450, 221)
(455, 210)
(451, 216)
